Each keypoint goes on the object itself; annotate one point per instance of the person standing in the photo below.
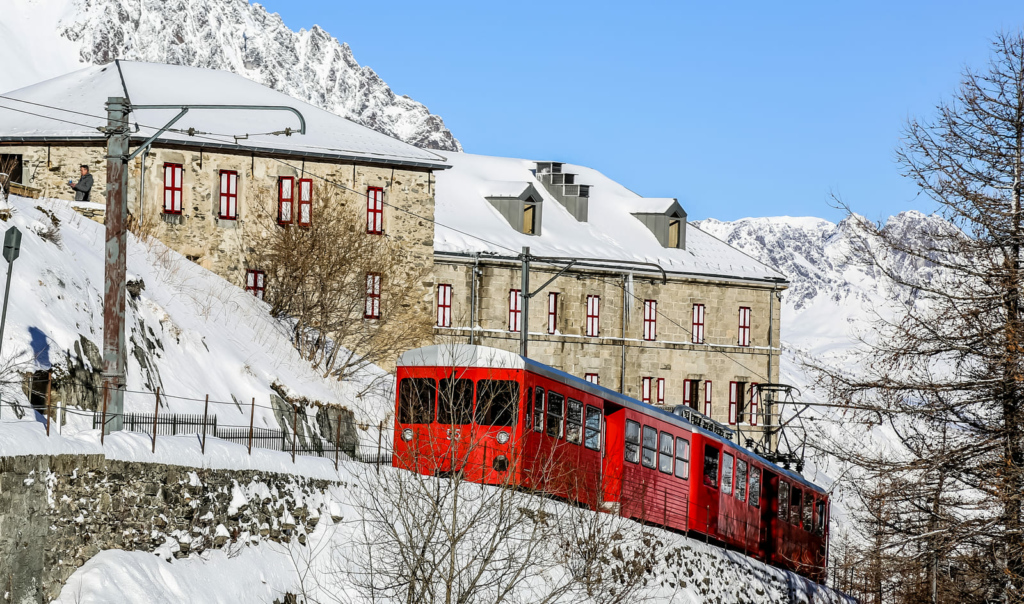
(83, 187)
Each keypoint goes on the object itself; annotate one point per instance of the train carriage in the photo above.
(499, 418)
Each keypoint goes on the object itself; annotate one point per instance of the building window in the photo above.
(593, 315)
(515, 310)
(592, 378)
(372, 296)
(744, 335)
(645, 389)
(661, 392)
(552, 313)
(691, 394)
(285, 199)
(444, 305)
(650, 320)
(254, 282)
(228, 195)
(374, 210)
(530, 219)
(697, 332)
(305, 202)
(707, 398)
(172, 188)
(673, 233)
(736, 392)
(755, 403)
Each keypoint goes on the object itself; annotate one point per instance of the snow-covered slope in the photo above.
(41, 39)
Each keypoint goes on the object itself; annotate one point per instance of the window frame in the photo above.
(682, 460)
(663, 438)
(175, 192)
(660, 389)
(717, 465)
(743, 336)
(559, 416)
(515, 310)
(374, 210)
(653, 449)
(228, 209)
(626, 450)
(412, 412)
(593, 378)
(645, 389)
(697, 326)
(305, 201)
(593, 322)
(373, 292)
(783, 500)
(707, 397)
(444, 305)
(283, 200)
(754, 479)
(650, 333)
(539, 409)
(257, 285)
(573, 429)
(734, 403)
(454, 413)
(552, 313)
(741, 479)
(589, 430)
(728, 472)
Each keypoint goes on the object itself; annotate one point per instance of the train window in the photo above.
(496, 402)
(819, 517)
(795, 499)
(784, 501)
(455, 401)
(528, 415)
(650, 447)
(632, 441)
(683, 458)
(538, 409)
(592, 436)
(755, 486)
(556, 410)
(710, 466)
(727, 474)
(741, 480)
(808, 512)
(574, 422)
(665, 453)
(416, 398)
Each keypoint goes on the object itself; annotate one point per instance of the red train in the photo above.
(500, 418)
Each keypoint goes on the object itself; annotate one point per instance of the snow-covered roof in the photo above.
(611, 232)
(86, 91)
(461, 355)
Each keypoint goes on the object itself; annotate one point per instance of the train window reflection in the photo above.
(650, 446)
(574, 422)
(755, 486)
(416, 400)
(683, 458)
(665, 453)
(741, 480)
(538, 410)
(496, 402)
(455, 401)
(556, 410)
(727, 473)
(592, 438)
(632, 441)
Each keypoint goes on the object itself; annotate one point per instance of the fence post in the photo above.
(337, 439)
(103, 422)
(380, 433)
(156, 412)
(174, 424)
(252, 416)
(295, 428)
(206, 409)
(49, 379)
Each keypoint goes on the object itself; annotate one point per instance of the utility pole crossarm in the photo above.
(302, 120)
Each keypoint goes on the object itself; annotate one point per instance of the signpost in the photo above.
(12, 249)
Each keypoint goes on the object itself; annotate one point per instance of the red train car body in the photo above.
(499, 418)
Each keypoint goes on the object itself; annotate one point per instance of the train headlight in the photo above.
(407, 434)
(502, 437)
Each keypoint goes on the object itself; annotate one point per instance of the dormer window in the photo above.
(668, 226)
(519, 203)
(673, 232)
(529, 218)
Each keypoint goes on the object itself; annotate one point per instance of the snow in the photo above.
(467, 223)
(87, 90)
(460, 355)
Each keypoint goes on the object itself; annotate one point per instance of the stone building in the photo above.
(219, 177)
(702, 334)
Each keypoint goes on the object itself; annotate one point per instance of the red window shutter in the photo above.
(755, 403)
(305, 202)
(228, 195)
(707, 398)
(733, 402)
(744, 331)
(645, 390)
(515, 312)
(661, 391)
(372, 296)
(285, 199)
(172, 188)
(444, 305)
(650, 320)
(593, 316)
(553, 313)
(374, 210)
(697, 331)
(688, 392)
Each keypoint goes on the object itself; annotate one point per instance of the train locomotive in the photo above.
(499, 418)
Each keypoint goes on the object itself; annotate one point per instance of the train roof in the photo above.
(472, 356)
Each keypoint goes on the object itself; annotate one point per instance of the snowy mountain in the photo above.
(41, 39)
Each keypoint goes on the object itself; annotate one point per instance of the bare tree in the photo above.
(945, 377)
(355, 299)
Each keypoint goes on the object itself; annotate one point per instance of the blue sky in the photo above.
(737, 109)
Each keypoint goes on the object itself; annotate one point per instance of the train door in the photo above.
(769, 513)
(612, 457)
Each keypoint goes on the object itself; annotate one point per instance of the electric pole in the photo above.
(524, 305)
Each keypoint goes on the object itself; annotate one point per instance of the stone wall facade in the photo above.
(671, 356)
(58, 511)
